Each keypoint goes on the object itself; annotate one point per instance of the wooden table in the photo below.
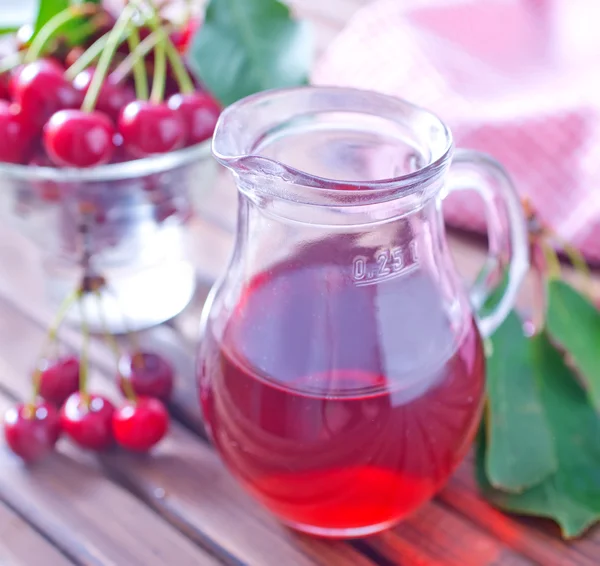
(180, 506)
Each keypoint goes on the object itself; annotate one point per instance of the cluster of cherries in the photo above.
(100, 116)
(62, 405)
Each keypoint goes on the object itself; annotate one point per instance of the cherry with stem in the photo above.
(51, 339)
(110, 339)
(87, 418)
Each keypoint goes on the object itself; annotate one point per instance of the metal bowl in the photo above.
(124, 222)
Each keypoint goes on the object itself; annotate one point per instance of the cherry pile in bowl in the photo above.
(39, 104)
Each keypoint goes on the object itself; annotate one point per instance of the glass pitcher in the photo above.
(341, 369)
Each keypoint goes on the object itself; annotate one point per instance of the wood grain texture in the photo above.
(435, 535)
(21, 545)
(531, 537)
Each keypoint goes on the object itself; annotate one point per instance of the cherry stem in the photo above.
(139, 69)
(87, 28)
(140, 51)
(540, 268)
(131, 336)
(114, 346)
(89, 102)
(160, 71)
(83, 364)
(552, 262)
(53, 25)
(181, 75)
(51, 338)
(87, 57)
(579, 264)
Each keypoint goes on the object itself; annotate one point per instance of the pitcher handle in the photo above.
(507, 232)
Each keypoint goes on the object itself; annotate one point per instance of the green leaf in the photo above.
(570, 496)
(74, 31)
(520, 449)
(246, 46)
(573, 323)
(47, 9)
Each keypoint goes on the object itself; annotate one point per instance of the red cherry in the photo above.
(111, 98)
(79, 139)
(183, 37)
(139, 425)
(4, 91)
(88, 424)
(49, 191)
(149, 374)
(49, 64)
(31, 431)
(200, 113)
(40, 89)
(16, 134)
(58, 379)
(149, 128)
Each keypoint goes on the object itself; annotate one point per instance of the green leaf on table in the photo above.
(573, 323)
(571, 495)
(246, 46)
(520, 449)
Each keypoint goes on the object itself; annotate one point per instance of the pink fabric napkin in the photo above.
(518, 79)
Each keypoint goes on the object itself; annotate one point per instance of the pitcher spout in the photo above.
(358, 144)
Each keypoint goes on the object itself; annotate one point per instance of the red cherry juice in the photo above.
(341, 407)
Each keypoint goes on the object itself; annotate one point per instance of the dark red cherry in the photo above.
(58, 379)
(31, 430)
(139, 425)
(4, 90)
(111, 98)
(87, 420)
(149, 128)
(74, 138)
(199, 112)
(149, 374)
(50, 64)
(48, 191)
(16, 134)
(40, 89)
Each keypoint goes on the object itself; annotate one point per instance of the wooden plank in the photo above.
(530, 538)
(22, 545)
(89, 517)
(436, 536)
(184, 480)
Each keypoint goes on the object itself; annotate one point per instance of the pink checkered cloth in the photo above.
(518, 79)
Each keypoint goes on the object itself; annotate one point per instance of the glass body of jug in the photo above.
(341, 368)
